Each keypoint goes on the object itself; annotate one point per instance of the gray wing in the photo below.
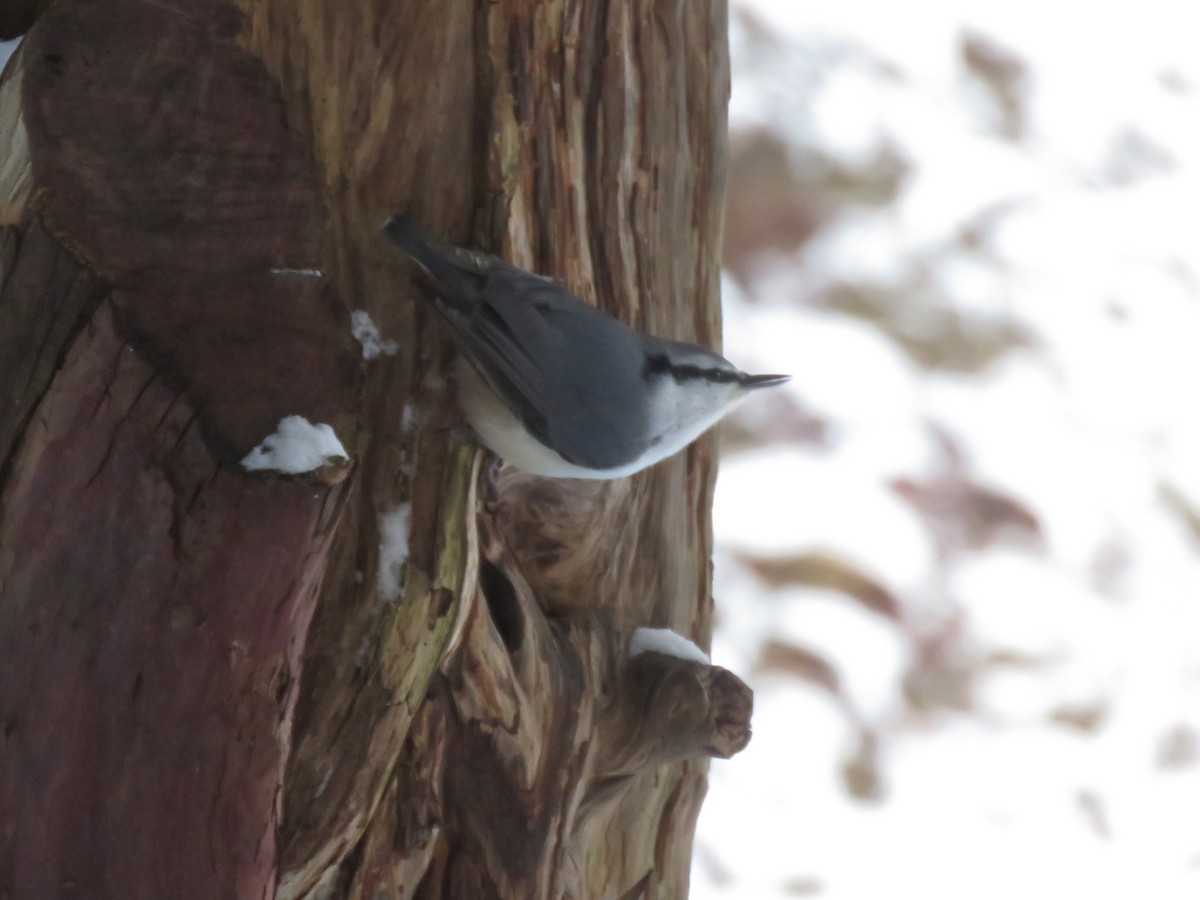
(572, 374)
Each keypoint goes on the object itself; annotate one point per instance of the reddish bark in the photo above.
(154, 597)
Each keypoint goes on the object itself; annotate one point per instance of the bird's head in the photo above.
(699, 384)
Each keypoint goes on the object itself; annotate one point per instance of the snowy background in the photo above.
(958, 557)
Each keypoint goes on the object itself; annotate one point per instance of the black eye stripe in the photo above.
(660, 365)
(719, 375)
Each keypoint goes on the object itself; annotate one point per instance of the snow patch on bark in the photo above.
(664, 640)
(394, 528)
(296, 446)
(366, 332)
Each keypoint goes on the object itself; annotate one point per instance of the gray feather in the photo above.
(535, 345)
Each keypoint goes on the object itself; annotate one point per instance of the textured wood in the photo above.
(581, 139)
(155, 606)
(666, 709)
(196, 257)
(360, 79)
(33, 333)
(483, 733)
(192, 151)
(154, 598)
(545, 727)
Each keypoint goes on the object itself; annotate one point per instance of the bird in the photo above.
(556, 387)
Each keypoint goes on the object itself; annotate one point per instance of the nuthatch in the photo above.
(556, 387)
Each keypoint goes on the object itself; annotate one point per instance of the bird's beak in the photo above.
(753, 382)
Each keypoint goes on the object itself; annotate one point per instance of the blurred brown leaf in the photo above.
(1086, 717)
(1004, 75)
(941, 675)
(861, 773)
(932, 331)
(779, 195)
(767, 206)
(823, 570)
(808, 665)
(963, 514)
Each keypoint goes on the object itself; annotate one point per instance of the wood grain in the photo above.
(232, 706)
(154, 598)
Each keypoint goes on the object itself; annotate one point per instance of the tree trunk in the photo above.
(219, 683)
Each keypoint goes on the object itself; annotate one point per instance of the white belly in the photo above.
(503, 434)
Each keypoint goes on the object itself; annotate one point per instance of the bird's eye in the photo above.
(657, 364)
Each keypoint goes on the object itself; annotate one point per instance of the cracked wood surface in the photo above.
(484, 734)
(154, 599)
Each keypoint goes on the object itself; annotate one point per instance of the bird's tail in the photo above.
(455, 283)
